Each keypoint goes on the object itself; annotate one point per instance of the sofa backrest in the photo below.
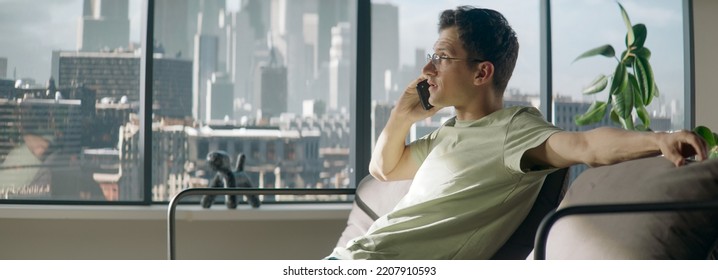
(375, 198)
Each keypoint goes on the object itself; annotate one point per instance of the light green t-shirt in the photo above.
(469, 194)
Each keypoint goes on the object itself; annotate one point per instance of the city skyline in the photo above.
(659, 15)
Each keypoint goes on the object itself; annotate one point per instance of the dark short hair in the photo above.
(485, 34)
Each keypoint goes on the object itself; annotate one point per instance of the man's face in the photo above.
(451, 80)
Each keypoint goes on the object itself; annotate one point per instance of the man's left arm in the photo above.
(606, 145)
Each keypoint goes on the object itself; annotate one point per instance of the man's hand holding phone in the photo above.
(410, 107)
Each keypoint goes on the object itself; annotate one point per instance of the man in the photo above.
(476, 177)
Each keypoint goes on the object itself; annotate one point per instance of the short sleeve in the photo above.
(526, 130)
(421, 147)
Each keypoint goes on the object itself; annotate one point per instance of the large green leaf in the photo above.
(620, 79)
(623, 101)
(628, 124)
(594, 114)
(614, 117)
(642, 113)
(605, 50)
(707, 135)
(598, 85)
(635, 88)
(646, 79)
(640, 71)
(640, 32)
(643, 52)
(630, 37)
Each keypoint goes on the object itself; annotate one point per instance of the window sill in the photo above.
(331, 211)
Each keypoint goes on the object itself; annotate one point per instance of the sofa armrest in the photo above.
(554, 216)
(654, 197)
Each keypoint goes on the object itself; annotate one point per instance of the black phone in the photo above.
(423, 89)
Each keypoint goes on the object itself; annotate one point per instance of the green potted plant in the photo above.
(632, 85)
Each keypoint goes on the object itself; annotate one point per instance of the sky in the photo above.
(30, 34)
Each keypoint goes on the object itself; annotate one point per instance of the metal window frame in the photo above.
(546, 83)
(689, 79)
(360, 148)
(146, 83)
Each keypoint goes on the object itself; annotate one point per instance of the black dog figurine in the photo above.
(225, 177)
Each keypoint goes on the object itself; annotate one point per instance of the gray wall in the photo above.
(706, 62)
(133, 239)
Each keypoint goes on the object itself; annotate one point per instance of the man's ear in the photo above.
(484, 73)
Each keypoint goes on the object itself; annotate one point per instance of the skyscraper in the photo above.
(206, 48)
(114, 75)
(220, 97)
(175, 24)
(3, 67)
(258, 12)
(287, 37)
(330, 13)
(111, 75)
(7, 89)
(241, 42)
(339, 66)
(207, 52)
(274, 91)
(105, 25)
(172, 87)
(212, 11)
(384, 49)
(271, 95)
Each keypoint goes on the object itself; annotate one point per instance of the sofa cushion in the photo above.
(653, 235)
(372, 200)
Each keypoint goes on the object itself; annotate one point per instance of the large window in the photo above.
(580, 25)
(404, 32)
(269, 80)
(69, 95)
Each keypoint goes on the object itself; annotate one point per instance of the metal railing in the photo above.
(172, 209)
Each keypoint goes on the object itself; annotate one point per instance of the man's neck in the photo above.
(483, 105)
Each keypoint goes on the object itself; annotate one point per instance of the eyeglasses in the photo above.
(436, 59)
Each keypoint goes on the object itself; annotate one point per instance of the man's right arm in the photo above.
(391, 159)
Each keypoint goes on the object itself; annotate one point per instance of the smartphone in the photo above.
(423, 89)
